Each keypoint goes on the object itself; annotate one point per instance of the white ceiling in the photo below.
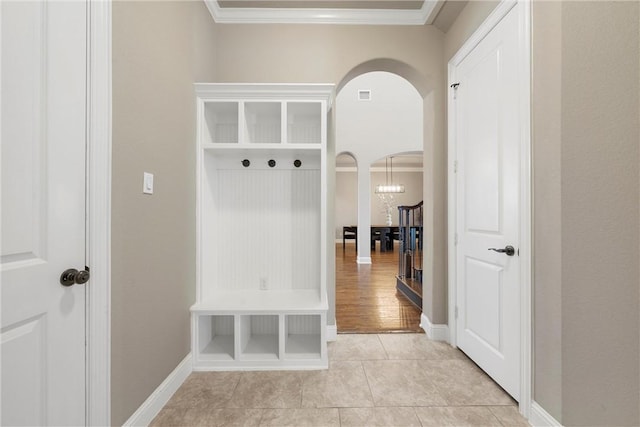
(440, 13)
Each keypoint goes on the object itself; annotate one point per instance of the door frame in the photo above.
(98, 244)
(523, 8)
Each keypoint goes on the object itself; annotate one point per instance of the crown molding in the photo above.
(239, 15)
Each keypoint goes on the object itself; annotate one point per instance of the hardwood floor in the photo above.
(366, 297)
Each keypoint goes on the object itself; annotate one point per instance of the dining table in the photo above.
(385, 234)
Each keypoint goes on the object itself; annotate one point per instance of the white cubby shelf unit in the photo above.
(261, 297)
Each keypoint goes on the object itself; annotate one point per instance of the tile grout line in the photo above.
(383, 347)
(304, 380)
(234, 390)
(496, 416)
(373, 401)
(261, 417)
(435, 386)
(415, 412)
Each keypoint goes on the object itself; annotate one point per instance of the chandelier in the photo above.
(389, 187)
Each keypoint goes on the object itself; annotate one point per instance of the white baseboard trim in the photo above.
(363, 260)
(160, 396)
(332, 332)
(434, 332)
(541, 418)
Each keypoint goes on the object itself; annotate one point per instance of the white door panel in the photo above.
(482, 178)
(43, 48)
(487, 204)
(483, 288)
(22, 92)
(24, 342)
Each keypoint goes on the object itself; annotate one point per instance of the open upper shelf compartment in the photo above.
(257, 115)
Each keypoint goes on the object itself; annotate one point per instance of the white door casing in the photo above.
(43, 120)
(99, 213)
(488, 150)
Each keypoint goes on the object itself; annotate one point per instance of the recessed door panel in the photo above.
(24, 365)
(484, 297)
(482, 159)
(23, 40)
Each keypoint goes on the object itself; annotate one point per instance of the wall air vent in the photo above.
(364, 95)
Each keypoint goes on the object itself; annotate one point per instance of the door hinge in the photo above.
(455, 166)
(456, 312)
(455, 238)
(454, 86)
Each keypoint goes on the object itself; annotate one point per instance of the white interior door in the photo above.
(43, 114)
(487, 185)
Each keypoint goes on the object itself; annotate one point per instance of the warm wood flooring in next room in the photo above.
(366, 296)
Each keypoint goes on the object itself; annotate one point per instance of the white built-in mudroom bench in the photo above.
(261, 299)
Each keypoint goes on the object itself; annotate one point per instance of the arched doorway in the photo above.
(378, 114)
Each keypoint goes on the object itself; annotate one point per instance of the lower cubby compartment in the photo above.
(303, 336)
(216, 337)
(259, 337)
(226, 341)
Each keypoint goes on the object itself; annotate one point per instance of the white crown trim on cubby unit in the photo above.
(249, 91)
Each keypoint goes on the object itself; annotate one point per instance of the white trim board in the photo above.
(98, 303)
(526, 207)
(380, 169)
(525, 247)
(332, 332)
(242, 15)
(541, 418)
(434, 332)
(151, 407)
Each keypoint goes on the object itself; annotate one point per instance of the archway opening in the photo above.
(379, 114)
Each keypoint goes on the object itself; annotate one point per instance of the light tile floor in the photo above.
(372, 380)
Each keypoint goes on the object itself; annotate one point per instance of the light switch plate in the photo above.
(147, 183)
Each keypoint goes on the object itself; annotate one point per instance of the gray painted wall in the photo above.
(346, 197)
(547, 262)
(470, 18)
(159, 50)
(329, 54)
(600, 211)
